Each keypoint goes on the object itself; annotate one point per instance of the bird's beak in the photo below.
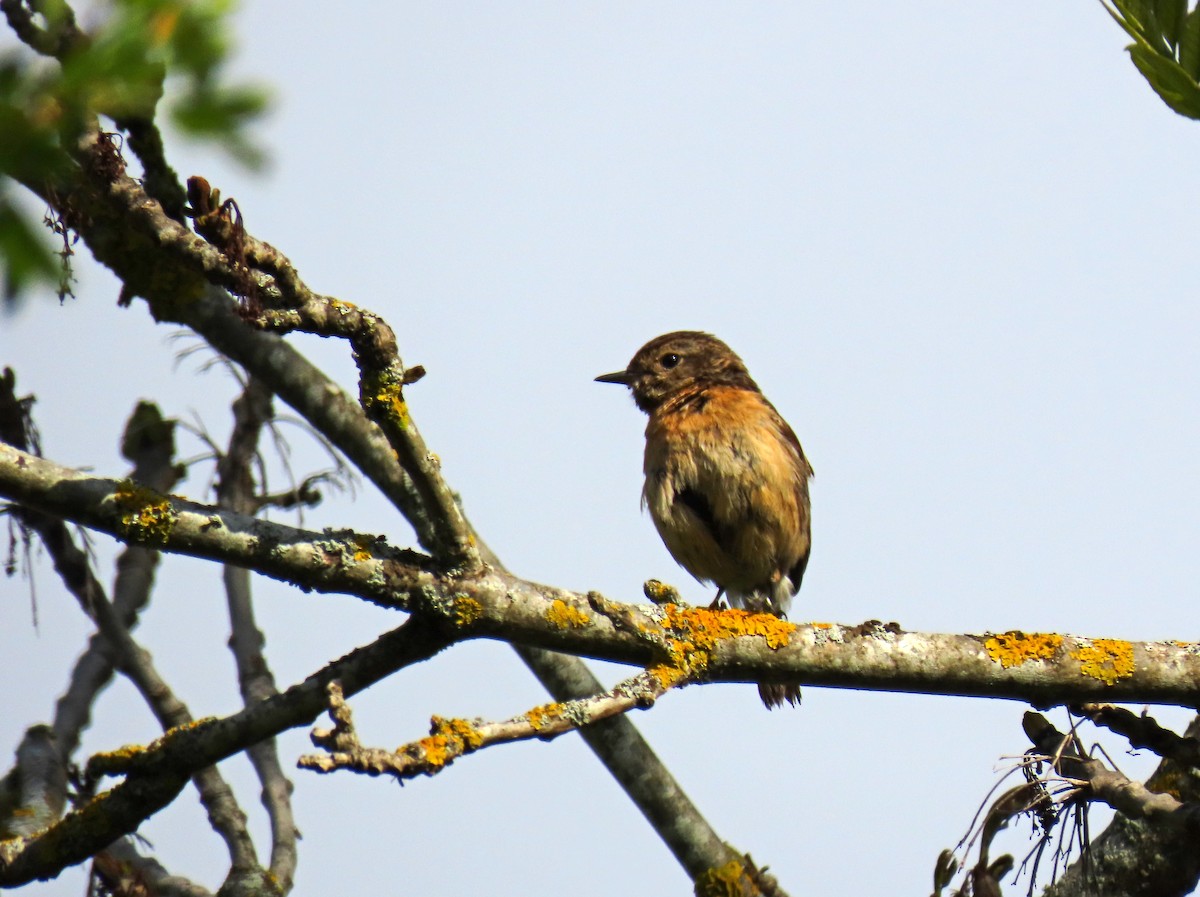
(621, 377)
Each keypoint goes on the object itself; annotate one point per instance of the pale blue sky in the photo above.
(950, 240)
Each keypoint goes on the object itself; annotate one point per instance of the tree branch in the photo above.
(1143, 731)
(728, 645)
(1134, 856)
(144, 248)
(450, 739)
(155, 775)
(259, 271)
(235, 490)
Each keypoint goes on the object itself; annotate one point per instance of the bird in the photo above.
(726, 480)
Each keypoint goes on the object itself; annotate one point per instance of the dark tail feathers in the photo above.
(775, 694)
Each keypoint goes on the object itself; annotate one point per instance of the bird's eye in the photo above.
(669, 360)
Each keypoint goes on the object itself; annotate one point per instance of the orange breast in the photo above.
(727, 487)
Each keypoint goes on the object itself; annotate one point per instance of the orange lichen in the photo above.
(729, 880)
(705, 627)
(659, 592)
(698, 630)
(362, 546)
(448, 740)
(1106, 659)
(466, 610)
(145, 515)
(666, 674)
(539, 716)
(1011, 649)
(821, 625)
(390, 398)
(564, 616)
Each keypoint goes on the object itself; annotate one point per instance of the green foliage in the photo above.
(120, 71)
(27, 259)
(1166, 48)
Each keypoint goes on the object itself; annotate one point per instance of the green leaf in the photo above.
(1136, 12)
(1170, 15)
(221, 114)
(1174, 85)
(29, 149)
(1189, 44)
(24, 256)
(1140, 19)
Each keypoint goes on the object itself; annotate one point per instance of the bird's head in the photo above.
(679, 361)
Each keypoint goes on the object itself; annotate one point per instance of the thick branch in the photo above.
(718, 645)
(147, 251)
(155, 775)
(1135, 857)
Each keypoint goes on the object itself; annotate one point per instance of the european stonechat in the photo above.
(726, 478)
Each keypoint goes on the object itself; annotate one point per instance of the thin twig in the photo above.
(1142, 731)
(235, 490)
(450, 739)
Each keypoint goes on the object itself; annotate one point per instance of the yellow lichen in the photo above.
(466, 610)
(729, 880)
(539, 716)
(564, 616)
(362, 546)
(659, 592)
(705, 627)
(698, 630)
(1011, 649)
(666, 674)
(391, 398)
(1106, 659)
(448, 739)
(146, 516)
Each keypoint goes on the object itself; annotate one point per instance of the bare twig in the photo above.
(155, 775)
(236, 491)
(449, 739)
(34, 792)
(382, 376)
(123, 870)
(1130, 798)
(1133, 856)
(1143, 731)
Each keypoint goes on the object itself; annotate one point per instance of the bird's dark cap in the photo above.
(621, 377)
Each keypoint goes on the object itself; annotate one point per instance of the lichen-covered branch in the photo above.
(1136, 857)
(169, 265)
(283, 303)
(154, 775)
(700, 643)
(149, 443)
(450, 739)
